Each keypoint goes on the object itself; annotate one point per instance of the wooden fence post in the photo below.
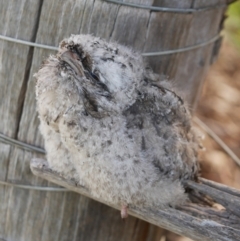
(27, 215)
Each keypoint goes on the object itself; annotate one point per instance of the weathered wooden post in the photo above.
(28, 214)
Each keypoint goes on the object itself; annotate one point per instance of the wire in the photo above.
(36, 149)
(173, 51)
(21, 144)
(37, 188)
(164, 9)
(182, 49)
(25, 146)
(28, 147)
(217, 139)
(19, 41)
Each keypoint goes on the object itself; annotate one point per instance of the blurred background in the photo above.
(219, 108)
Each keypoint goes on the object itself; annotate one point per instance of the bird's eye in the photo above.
(77, 50)
(94, 76)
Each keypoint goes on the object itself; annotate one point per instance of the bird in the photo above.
(114, 126)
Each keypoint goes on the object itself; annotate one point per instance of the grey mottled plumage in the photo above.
(111, 124)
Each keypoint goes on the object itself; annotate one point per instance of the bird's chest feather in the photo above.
(108, 125)
(107, 157)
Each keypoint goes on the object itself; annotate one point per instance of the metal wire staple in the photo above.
(165, 9)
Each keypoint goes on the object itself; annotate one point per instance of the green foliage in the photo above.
(232, 24)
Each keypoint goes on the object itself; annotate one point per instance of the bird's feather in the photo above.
(113, 125)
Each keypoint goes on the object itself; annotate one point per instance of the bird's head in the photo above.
(105, 75)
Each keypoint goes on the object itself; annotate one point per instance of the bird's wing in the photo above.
(162, 121)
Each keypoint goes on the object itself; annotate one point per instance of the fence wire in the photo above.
(147, 54)
(165, 9)
(28, 147)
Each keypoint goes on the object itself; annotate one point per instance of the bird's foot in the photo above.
(124, 211)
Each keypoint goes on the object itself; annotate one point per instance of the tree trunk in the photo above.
(27, 215)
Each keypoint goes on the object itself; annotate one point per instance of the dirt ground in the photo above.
(219, 108)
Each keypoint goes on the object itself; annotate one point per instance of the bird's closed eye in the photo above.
(96, 80)
(77, 50)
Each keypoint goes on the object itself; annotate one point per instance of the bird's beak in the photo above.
(73, 60)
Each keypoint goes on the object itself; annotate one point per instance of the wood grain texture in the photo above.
(28, 215)
(186, 70)
(74, 216)
(203, 224)
(4, 160)
(17, 22)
